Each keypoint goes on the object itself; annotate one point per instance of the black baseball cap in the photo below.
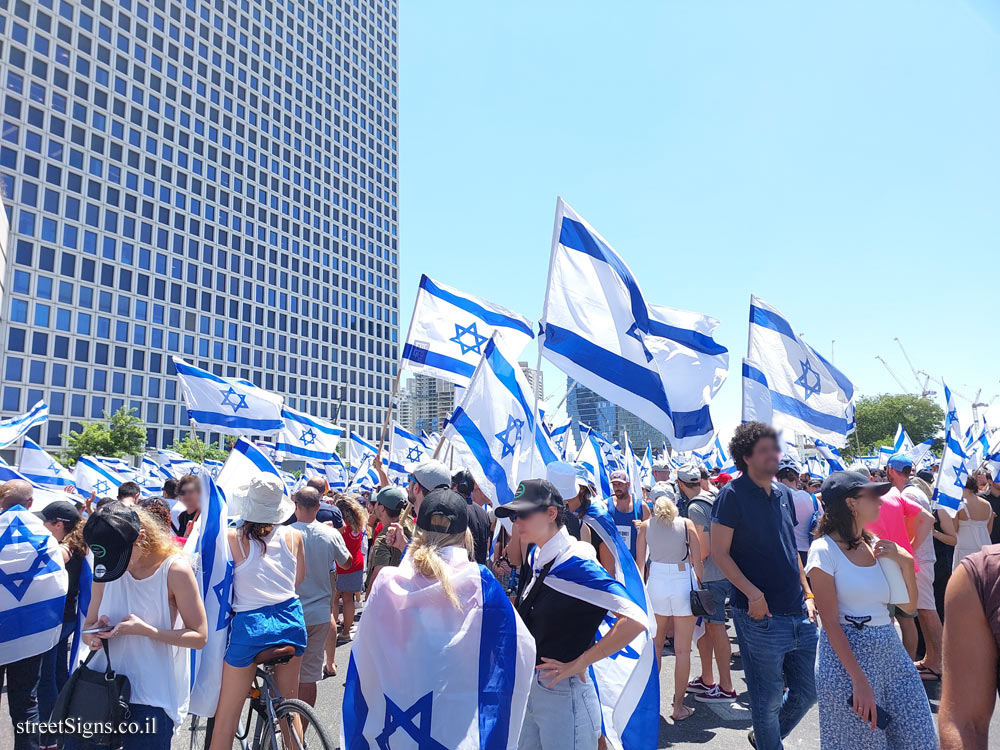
(110, 533)
(447, 503)
(532, 494)
(60, 510)
(840, 484)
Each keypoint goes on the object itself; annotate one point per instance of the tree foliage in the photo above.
(877, 417)
(120, 435)
(193, 448)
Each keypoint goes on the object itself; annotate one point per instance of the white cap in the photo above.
(689, 473)
(661, 489)
(563, 478)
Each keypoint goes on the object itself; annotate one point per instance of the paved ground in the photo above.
(723, 726)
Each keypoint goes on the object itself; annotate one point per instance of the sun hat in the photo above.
(264, 500)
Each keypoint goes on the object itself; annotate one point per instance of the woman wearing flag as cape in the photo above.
(564, 604)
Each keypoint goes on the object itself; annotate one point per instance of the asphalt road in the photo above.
(721, 726)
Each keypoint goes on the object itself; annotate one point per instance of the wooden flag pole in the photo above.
(388, 410)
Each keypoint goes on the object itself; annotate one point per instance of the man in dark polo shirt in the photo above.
(753, 543)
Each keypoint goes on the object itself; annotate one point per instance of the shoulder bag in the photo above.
(702, 600)
(94, 697)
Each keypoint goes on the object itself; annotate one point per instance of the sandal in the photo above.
(689, 713)
(328, 673)
(927, 674)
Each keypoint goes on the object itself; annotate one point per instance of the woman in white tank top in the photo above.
(268, 563)
(145, 592)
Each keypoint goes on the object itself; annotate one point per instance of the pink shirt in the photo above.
(891, 523)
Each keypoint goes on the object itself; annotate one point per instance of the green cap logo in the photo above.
(520, 491)
(98, 550)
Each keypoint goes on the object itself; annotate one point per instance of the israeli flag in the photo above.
(634, 474)
(233, 407)
(921, 454)
(449, 330)
(808, 395)
(270, 450)
(92, 475)
(174, 464)
(646, 467)
(405, 449)
(459, 677)
(365, 477)
(41, 468)
(336, 473)
(560, 436)
(592, 459)
(244, 461)
(358, 449)
(84, 591)
(903, 444)
(955, 466)
(12, 429)
(495, 420)
(212, 467)
(213, 565)
(33, 584)
(657, 362)
(307, 436)
(830, 454)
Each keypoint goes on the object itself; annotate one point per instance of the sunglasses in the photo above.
(523, 515)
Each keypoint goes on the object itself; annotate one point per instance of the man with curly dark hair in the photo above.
(753, 543)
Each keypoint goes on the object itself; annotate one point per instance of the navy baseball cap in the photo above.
(840, 484)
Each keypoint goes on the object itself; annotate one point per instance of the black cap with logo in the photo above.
(532, 494)
(60, 510)
(840, 484)
(110, 533)
(447, 504)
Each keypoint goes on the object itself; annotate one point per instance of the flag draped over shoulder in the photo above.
(234, 407)
(450, 328)
(213, 566)
(806, 394)
(41, 468)
(33, 584)
(457, 678)
(13, 428)
(307, 436)
(658, 363)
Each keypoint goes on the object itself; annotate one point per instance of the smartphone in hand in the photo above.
(882, 717)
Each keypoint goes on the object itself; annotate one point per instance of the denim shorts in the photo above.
(721, 590)
(275, 625)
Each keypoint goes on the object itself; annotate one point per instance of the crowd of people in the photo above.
(850, 592)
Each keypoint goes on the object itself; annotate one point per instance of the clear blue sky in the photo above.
(840, 161)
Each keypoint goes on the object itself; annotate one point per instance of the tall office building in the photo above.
(535, 378)
(431, 402)
(609, 419)
(211, 179)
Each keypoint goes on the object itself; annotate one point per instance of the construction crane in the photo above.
(894, 375)
(924, 393)
(975, 402)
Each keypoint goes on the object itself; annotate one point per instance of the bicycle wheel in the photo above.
(197, 733)
(292, 713)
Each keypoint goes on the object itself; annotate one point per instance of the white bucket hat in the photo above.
(263, 500)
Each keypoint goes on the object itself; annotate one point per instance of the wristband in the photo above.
(810, 596)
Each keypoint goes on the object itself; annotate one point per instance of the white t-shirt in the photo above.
(861, 592)
(925, 552)
(804, 510)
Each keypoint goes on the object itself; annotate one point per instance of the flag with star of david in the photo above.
(245, 460)
(93, 475)
(307, 436)
(33, 584)
(449, 331)
(458, 677)
(213, 568)
(41, 468)
(955, 463)
(494, 423)
(405, 449)
(227, 405)
(803, 391)
(336, 473)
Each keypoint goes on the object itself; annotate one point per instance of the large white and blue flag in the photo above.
(449, 331)
(307, 436)
(659, 363)
(213, 566)
(405, 449)
(955, 466)
(561, 435)
(41, 468)
(592, 458)
(227, 405)
(33, 584)
(245, 460)
(12, 429)
(808, 395)
(830, 454)
(495, 421)
(460, 676)
(92, 475)
(903, 444)
(365, 478)
(358, 449)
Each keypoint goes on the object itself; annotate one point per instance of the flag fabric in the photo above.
(560, 436)
(955, 467)
(33, 584)
(336, 473)
(365, 478)
(174, 463)
(213, 565)
(307, 436)
(41, 468)
(244, 461)
(212, 466)
(464, 671)
(634, 475)
(450, 328)
(84, 590)
(358, 449)
(233, 407)
(646, 466)
(592, 459)
(12, 429)
(495, 420)
(405, 449)
(808, 395)
(903, 444)
(756, 395)
(830, 454)
(92, 475)
(656, 362)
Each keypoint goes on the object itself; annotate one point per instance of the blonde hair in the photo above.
(156, 540)
(354, 513)
(664, 509)
(425, 554)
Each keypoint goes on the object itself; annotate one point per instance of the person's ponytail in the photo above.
(425, 554)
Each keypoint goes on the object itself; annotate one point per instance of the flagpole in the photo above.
(399, 372)
(569, 390)
(743, 393)
(194, 436)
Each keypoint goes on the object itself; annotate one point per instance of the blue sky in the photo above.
(842, 162)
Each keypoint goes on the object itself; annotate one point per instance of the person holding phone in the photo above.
(869, 691)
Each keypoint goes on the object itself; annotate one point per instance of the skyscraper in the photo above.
(212, 179)
(609, 419)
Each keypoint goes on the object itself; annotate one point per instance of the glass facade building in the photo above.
(611, 420)
(211, 179)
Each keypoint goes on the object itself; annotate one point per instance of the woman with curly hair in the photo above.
(351, 577)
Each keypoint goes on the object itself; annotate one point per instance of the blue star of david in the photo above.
(222, 589)
(952, 416)
(414, 453)
(398, 718)
(811, 388)
(101, 487)
(241, 403)
(52, 466)
(508, 441)
(18, 532)
(961, 475)
(626, 653)
(635, 333)
(477, 340)
(308, 437)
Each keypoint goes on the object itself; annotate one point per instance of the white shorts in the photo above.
(669, 589)
(925, 585)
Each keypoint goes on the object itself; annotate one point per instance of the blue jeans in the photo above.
(154, 732)
(777, 652)
(55, 671)
(566, 716)
(22, 697)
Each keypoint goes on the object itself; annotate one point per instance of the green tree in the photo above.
(877, 417)
(119, 436)
(193, 448)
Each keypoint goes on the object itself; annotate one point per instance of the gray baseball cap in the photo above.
(431, 474)
(689, 473)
